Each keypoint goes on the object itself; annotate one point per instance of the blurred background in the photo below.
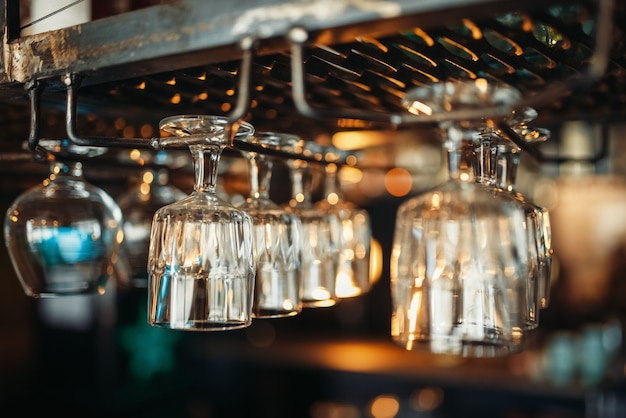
(96, 356)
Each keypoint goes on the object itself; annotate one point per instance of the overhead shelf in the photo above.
(357, 61)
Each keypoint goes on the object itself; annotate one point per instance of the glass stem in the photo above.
(332, 188)
(506, 167)
(264, 175)
(71, 169)
(300, 184)
(460, 145)
(205, 160)
(260, 173)
(484, 168)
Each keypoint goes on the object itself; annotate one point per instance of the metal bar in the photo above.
(189, 33)
(72, 81)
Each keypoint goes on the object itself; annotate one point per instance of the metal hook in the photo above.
(72, 81)
(244, 96)
(34, 89)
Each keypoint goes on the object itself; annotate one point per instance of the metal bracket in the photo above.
(72, 82)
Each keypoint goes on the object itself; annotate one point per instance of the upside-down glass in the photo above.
(149, 192)
(317, 261)
(507, 162)
(350, 230)
(201, 260)
(458, 270)
(63, 236)
(277, 238)
(488, 160)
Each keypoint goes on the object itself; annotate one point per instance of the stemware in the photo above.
(350, 229)
(458, 271)
(277, 238)
(201, 260)
(63, 236)
(318, 265)
(149, 192)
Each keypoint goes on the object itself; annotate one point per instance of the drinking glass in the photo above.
(150, 192)
(459, 256)
(63, 236)
(350, 229)
(507, 163)
(201, 259)
(495, 153)
(317, 262)
(277, 238)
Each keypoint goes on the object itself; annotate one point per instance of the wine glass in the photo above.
(350, 229)
(458, 271)
(63, 236)
(277, 238)
(318, 266)
(149, 192)
(201, 259)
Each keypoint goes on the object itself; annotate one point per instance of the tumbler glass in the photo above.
(277, 238)
(459, 256)
(350, 229)
(318, 265)
(201, 259)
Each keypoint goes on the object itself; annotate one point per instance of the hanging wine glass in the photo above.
(63, 236)
(317, 261)
(457, 269)
(150, 192)
(350, 229)
(277, 237)
(201, 260)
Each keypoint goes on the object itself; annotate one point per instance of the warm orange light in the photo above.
(398, 182)
(376, 261)
(128, 131)
(426, 399)
(120, 123)
(146, 130)
(385, 406)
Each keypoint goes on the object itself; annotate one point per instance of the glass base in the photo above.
(323, 303)
(273, 314)
(494, 345)
(202, 325)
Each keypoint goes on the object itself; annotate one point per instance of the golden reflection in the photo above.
(474, 29)
(425, 37)
(376, 260)
(175, 99)
(360, 139)
(418, 108)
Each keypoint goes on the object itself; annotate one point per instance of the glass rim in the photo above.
(244, 130)
(275, 140)
(66, 148)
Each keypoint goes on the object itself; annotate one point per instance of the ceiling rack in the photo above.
(319, 64)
